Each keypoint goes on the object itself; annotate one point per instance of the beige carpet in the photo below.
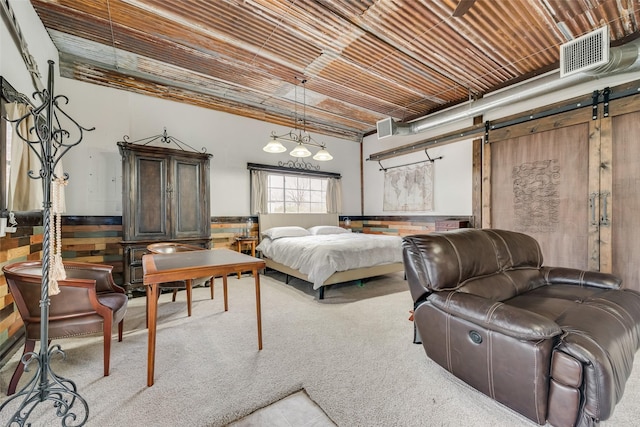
(352, 353)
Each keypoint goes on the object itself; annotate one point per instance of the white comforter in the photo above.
(320, 256)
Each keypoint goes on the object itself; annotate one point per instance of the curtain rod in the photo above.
(9, 93)
(293, 171)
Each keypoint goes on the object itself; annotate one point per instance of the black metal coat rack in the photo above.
(53, 142)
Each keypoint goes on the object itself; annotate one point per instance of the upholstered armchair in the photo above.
(554, 344)
(188, 285)
(89, 302)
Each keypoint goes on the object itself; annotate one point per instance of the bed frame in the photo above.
(267, 221)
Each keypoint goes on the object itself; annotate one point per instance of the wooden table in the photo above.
(161, 268)
(246, 240)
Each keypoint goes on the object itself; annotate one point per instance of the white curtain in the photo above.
(259, 184)
(25, 193)
(334, 195)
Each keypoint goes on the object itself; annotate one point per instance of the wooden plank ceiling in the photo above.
(363, 60)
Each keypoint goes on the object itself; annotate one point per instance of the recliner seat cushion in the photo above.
(603, 333)
(600, 329)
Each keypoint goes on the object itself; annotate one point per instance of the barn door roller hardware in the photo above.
(606, 94)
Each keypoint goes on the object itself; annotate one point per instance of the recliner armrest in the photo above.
(496, 316)
(574, 276)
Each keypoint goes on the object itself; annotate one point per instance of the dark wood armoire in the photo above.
(166, 198)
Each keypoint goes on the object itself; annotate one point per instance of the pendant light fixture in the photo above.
(300, 137)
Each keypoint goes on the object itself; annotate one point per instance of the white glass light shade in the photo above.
(274, 146)
(300, 151)
(322, 156)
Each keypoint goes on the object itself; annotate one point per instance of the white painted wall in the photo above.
(94, 166)
(95, 184)
(452, 174)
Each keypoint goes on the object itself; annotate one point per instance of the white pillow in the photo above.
(327, 229)
(278, 232)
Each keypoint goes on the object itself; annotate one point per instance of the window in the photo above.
(281, 189)
(296, 194)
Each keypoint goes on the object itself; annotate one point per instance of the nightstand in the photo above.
(246, 240)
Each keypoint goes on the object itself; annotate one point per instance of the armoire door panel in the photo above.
(151, 198)
(188, 198)
(539, 186)
(625, 199)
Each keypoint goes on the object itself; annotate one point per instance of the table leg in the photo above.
(239, 250)
(148, 295)
(224, 290)
(211, 283)
(258, 309)
(152, 313)
(189, 285)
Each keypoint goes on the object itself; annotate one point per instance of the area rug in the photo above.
(297, 409)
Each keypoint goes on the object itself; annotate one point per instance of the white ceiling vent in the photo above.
(585, 53)
(385, 127)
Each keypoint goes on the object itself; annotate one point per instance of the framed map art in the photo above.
(409, 188)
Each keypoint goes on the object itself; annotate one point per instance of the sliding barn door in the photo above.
(625, 198)
(540, 187)
(573, 183)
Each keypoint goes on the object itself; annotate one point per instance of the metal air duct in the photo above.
(622, 60)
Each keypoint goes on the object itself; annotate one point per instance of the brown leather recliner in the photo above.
(554, 344)
(89, 302)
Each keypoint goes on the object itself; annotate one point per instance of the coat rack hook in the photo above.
(382, 168)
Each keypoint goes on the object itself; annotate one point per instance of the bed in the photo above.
(326, 259)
